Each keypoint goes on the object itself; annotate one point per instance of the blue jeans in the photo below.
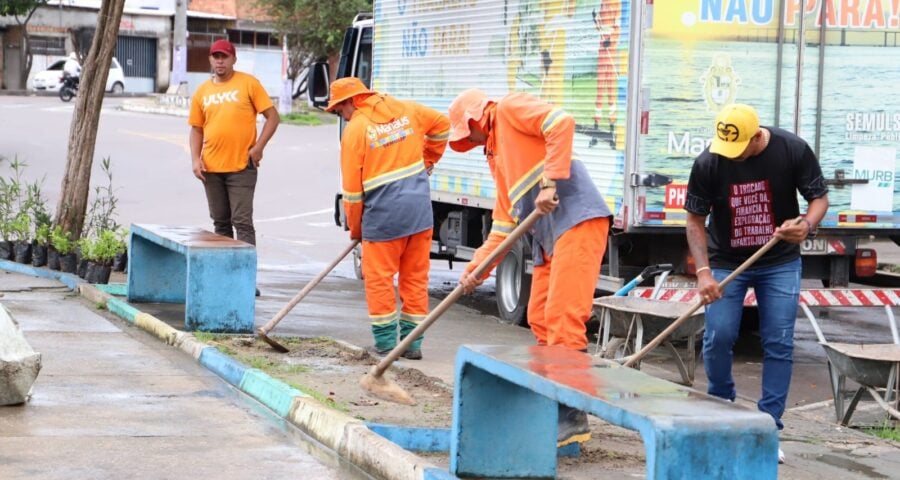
(777, 292)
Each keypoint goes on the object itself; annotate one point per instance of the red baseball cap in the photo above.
(222, 46)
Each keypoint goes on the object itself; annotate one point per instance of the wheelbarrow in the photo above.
(629, 319)
(624, 321)
(875, 367)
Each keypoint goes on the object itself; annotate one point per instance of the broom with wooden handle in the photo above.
(375, 382)
(632, 359)
(264, 330)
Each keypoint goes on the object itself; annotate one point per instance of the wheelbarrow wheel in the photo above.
(616, 349)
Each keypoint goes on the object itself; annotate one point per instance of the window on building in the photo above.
(47, 45)
(253, 39)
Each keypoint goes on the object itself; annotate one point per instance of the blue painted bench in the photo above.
(505, 417)
(214, 276)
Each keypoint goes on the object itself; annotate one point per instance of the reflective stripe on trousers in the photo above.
(409, 259)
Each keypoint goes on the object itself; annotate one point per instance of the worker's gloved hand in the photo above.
(469, 282)
(546, 201)
(707, 287)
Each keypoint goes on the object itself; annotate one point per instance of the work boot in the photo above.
(406, 327)
(573, 426)
(385, 336)
(377, 352)
(411, 354)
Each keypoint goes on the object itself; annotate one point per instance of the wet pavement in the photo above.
(114, 402)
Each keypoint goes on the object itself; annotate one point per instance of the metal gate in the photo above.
(137, 55)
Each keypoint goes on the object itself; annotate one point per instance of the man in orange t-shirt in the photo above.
(225, 150)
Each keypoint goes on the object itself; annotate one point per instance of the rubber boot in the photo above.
(414, 352)
(385, 337)
(573, 426)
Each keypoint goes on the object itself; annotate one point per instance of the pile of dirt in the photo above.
(330, 372)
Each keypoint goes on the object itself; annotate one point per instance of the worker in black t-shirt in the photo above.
(747, 183)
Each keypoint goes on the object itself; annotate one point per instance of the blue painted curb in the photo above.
(69, 280)
(421, 439)
(417, 439)
(223, 365)
(280, 397)
(117, 289)
(122, 309)
(271, 392)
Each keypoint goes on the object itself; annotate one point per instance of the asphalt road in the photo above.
(296, 235)
(154, 184)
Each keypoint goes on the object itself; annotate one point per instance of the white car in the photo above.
(51, 78)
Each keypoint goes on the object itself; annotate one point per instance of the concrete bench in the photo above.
(214, 276)
(505, 417)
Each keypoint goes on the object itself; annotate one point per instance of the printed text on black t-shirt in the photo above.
(752, 222)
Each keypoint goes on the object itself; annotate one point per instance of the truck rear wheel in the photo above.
(357, 262)
(513, 287)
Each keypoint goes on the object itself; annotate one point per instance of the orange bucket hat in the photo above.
(468, 105)
(344, 88)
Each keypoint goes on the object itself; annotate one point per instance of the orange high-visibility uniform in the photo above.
(387, 150)
(529, 139)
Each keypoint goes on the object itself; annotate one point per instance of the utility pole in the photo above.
(178, 80)
(286, 99)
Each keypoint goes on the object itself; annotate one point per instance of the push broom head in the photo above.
(277, 346)
(384, 388)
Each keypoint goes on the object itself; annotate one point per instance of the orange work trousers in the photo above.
(562, 289)
(381, 261)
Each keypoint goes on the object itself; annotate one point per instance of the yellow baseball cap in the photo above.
(735, 125)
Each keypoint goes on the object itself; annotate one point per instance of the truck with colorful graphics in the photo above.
(644, 79)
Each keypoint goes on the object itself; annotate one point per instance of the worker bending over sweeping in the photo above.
(528, 145)
(387, 152)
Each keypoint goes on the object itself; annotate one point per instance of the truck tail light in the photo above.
(866, 262)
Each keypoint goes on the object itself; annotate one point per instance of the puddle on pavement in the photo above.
(846, 464)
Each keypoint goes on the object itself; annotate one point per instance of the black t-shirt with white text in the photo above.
(747, 200)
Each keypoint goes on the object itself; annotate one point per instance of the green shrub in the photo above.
(87, 247)
(42, 234)
(106, 247)
(20, 228)
(61, 241)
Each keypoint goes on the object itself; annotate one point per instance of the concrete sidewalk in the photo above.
(114, 402)
(102, 376)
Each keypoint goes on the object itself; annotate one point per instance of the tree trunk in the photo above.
(76, 183)
(26, 58)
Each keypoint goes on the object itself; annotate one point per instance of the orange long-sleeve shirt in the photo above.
(529, 139)
(387, 150)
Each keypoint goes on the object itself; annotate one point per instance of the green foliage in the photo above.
(42, 234)
(15, 203)
(19, 8)
(61, 241)
(101, 215)
(304, 119)
(39, 212)
(20, 228)
(887, 432)
(86, 247)
(106, 246)
(208, 337)
(314, 26)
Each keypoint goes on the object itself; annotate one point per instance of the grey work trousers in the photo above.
(230, 198)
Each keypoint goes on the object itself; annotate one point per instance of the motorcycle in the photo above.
(69, 88)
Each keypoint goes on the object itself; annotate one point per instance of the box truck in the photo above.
(644, 80)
